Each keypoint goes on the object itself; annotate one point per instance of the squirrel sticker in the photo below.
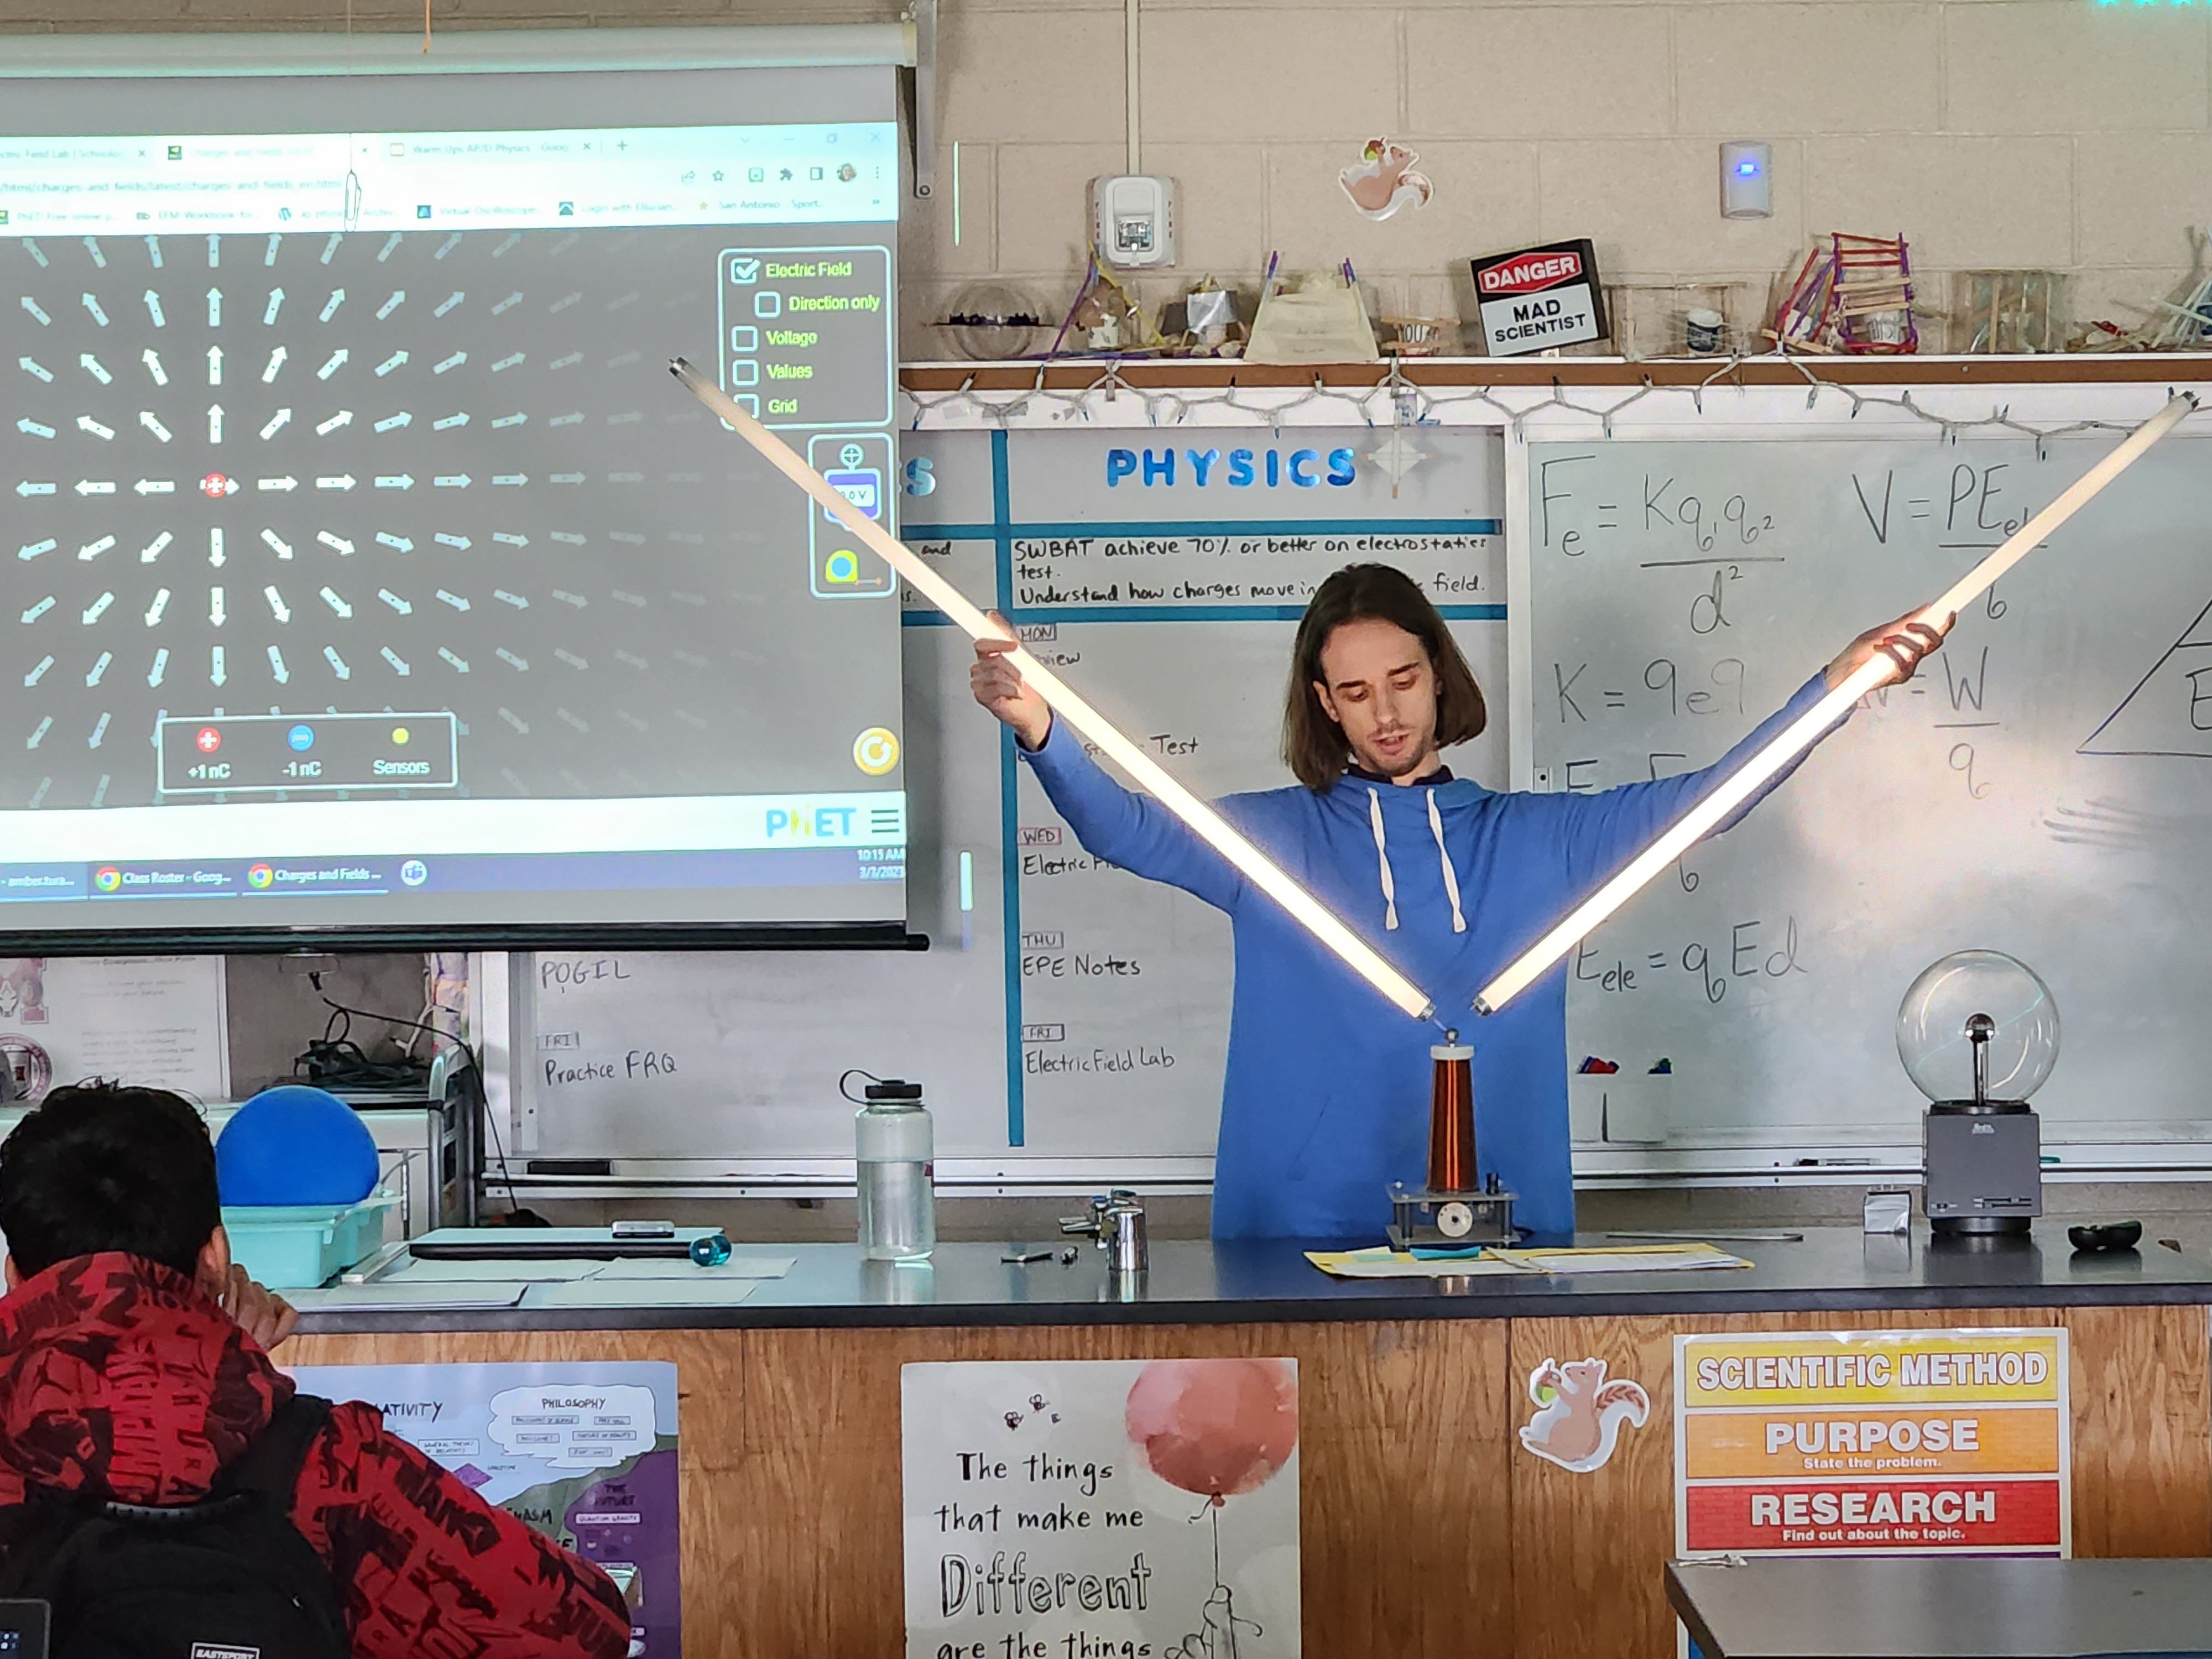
(1383, 180)
(1579, 1413)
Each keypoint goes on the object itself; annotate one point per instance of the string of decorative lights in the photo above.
(1395, 399)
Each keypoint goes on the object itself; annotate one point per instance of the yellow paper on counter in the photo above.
(1381, 1261)
(1622, 1259)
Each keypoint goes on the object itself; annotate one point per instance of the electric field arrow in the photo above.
(152, 358)
(92, 366)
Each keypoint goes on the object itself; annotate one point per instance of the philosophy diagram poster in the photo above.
(583, 1451)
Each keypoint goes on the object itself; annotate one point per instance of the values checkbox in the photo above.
(767, 305)
(745, 271)
(746, 372)
(744, 338)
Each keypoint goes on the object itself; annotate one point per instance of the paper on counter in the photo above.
(1643, 1259)
(1383, 1262)
(502, 1271)
(703, 1291)
(646, 1269)
(398, 1296)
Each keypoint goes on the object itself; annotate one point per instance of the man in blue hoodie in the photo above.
(1325, 1099)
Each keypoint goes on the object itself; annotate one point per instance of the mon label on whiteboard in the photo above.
(1101, 1508)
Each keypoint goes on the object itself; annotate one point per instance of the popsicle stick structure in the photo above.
(1786, 745)
(1254, 865)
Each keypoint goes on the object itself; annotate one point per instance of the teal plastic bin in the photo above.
(293, 1247)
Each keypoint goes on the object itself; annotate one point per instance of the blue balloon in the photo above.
(296, 1144)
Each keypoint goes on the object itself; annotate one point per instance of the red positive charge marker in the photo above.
(209, 740)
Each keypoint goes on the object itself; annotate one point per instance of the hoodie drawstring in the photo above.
(1451, 876)
(1383, 861)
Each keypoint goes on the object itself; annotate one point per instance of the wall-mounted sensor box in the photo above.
(1747, 188)
(1133, 220)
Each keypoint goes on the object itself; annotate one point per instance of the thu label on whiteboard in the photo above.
(1101, 1508)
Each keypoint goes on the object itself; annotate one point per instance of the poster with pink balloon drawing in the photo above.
(1101, 1509)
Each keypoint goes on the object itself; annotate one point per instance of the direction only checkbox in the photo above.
(767, 305)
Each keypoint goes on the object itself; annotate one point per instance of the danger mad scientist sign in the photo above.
(1851, 1442)
(1539, 298)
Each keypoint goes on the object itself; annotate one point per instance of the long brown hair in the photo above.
(1314, 745)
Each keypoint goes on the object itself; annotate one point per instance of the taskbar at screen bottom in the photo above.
(487, 893)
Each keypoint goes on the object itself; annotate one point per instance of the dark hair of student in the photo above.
(97, 1167)
(1313, 743)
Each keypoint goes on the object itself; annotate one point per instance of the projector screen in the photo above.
(368, 578)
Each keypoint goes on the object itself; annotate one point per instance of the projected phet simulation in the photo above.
(357, 550)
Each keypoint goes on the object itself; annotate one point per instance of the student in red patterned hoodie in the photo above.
(134, 1370)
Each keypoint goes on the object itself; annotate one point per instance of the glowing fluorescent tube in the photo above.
(1254, 865)
(1877, 671)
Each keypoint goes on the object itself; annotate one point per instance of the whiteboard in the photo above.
(2043, 788)
(1066, 1017)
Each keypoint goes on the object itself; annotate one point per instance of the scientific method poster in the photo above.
(583, 1451)
(1102, 1509)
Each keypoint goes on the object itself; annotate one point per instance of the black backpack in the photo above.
(227, 1577)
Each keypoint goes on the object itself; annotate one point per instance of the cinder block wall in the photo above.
(2058, 133)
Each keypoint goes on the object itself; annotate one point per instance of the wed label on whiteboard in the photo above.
(1857, 1443)
(1539, 298)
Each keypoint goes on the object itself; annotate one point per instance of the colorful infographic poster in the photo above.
(585, 1452)
(1102, 1509)
(1872, 1442)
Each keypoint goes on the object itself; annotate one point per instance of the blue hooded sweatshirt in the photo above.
(1324, 1100)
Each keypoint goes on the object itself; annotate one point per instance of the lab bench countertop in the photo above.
(1242, 1281)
